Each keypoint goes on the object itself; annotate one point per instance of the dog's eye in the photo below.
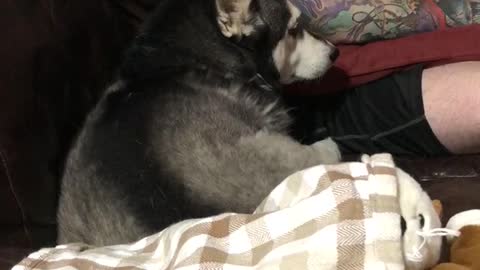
(294, 30)
(421, 220)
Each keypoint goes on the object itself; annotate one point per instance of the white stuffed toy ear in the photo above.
(462, 219)
(420, 250)
(233, 17)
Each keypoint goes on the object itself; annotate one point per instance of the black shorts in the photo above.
(383, 116)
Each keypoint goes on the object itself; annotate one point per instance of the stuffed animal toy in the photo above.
(419, 218)
(465, 249)
(420, 223)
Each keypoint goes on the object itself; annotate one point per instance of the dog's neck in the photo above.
(183, 36)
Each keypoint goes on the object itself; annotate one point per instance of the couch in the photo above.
(57, 57)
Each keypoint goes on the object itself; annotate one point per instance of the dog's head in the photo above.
(275, 32)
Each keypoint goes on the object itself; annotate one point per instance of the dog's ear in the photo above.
(234, 17)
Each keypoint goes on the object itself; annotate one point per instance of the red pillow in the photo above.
(361, 64)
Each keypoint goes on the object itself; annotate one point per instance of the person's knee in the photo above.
(451, 96)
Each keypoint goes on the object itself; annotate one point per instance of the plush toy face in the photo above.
(418, 215)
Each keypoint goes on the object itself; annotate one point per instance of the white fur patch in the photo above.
(301, 57)
(294, 13)
(462, 219)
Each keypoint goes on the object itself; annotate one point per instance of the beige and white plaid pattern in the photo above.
(343, 216)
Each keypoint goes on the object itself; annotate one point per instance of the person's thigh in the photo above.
(451, 96)
(383, 116)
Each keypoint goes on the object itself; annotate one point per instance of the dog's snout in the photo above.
(334, 55)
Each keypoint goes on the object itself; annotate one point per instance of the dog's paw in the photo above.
(328, 150)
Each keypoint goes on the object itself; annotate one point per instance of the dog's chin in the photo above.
(296, 78)
(306, 74)
(289, 80)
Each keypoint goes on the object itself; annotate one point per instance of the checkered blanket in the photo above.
(343, 216)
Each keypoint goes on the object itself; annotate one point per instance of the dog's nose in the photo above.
(334, 55)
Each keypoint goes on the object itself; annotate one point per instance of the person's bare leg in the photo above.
(451, 96)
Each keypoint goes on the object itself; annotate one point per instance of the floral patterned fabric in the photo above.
(361, 21)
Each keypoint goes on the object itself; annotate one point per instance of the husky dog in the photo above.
(194, 126)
